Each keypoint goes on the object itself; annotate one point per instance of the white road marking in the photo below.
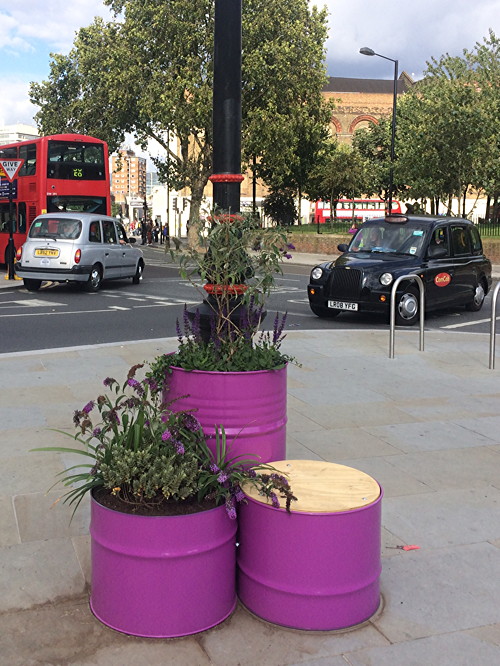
(470, 323)
(33, 303)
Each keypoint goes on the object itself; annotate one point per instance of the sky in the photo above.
(410, 32)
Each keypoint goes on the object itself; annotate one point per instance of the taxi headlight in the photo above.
(316, 273)
(386, 279)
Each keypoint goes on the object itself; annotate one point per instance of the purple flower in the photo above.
(290, 246)
(214, 468)
(96, 432)
(164, 417)
(166, 435)
(131, 402)
(223, 477)
(280, 478)
(111, 417)
(149, 381)
(287, 255)
(88, 407)
(179, 448)
(109, 381)
(135, 385)
(191, 423)
(239, 495)
(230, 508)
(275, 501)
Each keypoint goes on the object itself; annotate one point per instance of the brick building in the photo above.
(361, 102)
(128, 180)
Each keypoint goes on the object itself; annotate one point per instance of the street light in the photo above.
(370, 52)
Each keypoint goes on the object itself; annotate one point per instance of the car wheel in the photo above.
(138, 274)
(478, 299)
(407, 307)
(95, 279)
(32, 285)
(325, 313)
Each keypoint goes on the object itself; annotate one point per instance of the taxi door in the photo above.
(112, 254)
(441, 287)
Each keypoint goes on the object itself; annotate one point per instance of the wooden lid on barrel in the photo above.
(323, 487)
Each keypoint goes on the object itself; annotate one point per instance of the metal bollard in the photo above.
(421, 287)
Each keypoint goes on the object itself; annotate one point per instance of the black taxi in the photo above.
(445, 252)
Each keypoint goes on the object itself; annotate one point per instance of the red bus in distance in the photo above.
(364, 209)
(63, 172)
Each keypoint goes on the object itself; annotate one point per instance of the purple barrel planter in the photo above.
(310, 570)
(162, 576)
(250, 405)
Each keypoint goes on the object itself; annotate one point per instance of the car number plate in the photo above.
(44, 252)
(342, 305)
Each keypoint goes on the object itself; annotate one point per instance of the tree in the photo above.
(149, 72)
(373, 144)
(280, 207)
(447, 129)
(340, 172)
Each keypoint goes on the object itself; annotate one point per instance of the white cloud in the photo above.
(54, 22)
(16, 106)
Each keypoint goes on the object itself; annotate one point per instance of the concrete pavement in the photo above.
(426, 425)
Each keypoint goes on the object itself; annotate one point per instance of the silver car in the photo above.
(77, 247)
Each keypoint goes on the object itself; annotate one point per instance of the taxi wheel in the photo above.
(325, 313)
(32, 285)
(407, 307)
(95, 279)
(138, 274)
(477, 302)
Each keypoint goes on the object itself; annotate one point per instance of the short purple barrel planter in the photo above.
(318, 567)
(250, 405)
(162, 576)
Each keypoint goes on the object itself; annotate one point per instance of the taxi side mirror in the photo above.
(342, 247)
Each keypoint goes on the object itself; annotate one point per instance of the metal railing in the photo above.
(493, 325)
(421, 288)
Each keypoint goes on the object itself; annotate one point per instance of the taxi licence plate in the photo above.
(342, 305)
(44, 252)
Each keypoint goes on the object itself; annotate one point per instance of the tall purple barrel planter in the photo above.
(250, 405)
(162, 576)
(318, 567)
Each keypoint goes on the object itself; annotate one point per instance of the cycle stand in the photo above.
(493, 326)
(421, 288)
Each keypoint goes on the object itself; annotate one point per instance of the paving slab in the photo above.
(431, 592)
(446, 650)
(426, 425)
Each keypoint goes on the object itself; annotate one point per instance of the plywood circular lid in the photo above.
(323, 487)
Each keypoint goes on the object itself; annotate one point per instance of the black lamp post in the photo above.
(226, 177)
(370, 52)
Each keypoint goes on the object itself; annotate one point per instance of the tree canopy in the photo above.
(150, 71)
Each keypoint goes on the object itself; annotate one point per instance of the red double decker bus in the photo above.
(353, 209)
(64, 172)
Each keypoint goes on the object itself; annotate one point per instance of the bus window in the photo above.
(28, 154)
(4, 218)
(8, 153)
(21, 217)
(69, 160)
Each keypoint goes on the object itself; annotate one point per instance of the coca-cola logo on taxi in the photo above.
(442, 279)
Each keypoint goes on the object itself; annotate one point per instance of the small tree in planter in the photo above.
(162, 511)
(221, 352)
